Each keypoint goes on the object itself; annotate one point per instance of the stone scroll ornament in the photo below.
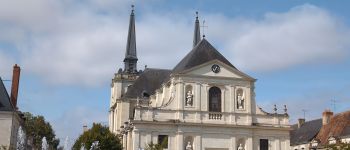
(189, 98)
(240, 99)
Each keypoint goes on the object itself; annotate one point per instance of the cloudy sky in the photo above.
(69, 50)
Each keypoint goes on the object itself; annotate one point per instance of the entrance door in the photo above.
(264, 144)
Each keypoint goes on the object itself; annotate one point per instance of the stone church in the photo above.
(203, 103)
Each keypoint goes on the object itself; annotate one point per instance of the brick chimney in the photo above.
(15, 85)
(301, 121)
(326, 116)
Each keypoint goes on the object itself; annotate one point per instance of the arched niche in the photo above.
(188, 143)
(240, 99)
(241, 145)
(214, 99)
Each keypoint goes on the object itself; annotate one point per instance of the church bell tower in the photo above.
(122, 80)
(130, 60)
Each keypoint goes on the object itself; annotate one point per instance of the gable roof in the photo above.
(203, 52)
(5, 102)
(338, 126)
(149, 81)
(305, 133)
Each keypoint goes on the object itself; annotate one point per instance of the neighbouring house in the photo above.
(10, 117)
(203, 103)
(320, 133)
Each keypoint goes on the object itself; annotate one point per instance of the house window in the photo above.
(264, 144)
(163, 141)
(215, 99)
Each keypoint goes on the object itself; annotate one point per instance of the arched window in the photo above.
(215, 99)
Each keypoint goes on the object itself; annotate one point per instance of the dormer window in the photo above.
(145, 94)
(332, 140)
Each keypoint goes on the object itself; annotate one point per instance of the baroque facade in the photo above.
(203, 103)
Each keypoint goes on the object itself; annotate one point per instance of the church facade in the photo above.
(203, 103)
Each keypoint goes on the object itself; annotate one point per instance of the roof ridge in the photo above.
(203, 52)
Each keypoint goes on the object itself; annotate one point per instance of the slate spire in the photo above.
(197, 34)
(130, 60)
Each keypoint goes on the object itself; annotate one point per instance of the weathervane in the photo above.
(304, 111)
(203, 26)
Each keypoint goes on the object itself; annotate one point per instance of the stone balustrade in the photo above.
(215, 116)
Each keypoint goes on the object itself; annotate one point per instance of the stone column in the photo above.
(124, 141)
(136, 139)
(197, 142)
(197, 97)
(233, 140)
(249, 143)
(181, 99)
(223, 100)
(180, 140)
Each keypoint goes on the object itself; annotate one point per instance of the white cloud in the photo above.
(7, 63)
(305, 34)
(74, 44)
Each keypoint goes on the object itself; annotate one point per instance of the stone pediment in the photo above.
(216, 68)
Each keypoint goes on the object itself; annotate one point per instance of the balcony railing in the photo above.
(215, 116)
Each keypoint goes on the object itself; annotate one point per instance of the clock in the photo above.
(215, 68)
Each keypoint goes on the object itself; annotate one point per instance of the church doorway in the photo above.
(214, 99)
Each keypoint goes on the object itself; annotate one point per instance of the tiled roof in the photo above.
(339, 125)
(202, 53)
(5, 103)
(149, 81)
(305, 133)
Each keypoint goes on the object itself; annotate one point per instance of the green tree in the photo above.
(339, 146)
(161, 146)
(36, 128)
(106, 139)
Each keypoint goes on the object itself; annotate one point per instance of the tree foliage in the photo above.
(36, 128)
(339, 146)
(161, 146)
(107, 140)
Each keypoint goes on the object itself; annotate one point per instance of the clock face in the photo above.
(215, 68)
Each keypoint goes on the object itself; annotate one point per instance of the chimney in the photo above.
(15, 85)
(326, 116)
(85, 128)
(301, 121)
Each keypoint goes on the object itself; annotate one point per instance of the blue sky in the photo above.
(70, 49)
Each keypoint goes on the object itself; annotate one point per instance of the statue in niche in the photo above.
(189, 146)
(240, 147)
(240, 99)
(189, 98)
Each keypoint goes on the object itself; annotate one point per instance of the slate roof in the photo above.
(203, 52)
(305, 133)
(5, 103)
(149, 81)
(338, 126)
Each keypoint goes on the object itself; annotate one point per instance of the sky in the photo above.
(69, 50)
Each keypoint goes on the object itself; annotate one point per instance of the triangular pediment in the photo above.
(210, 69)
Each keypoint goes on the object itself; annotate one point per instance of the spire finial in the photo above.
(285, 109)
(132, 8)
(197, 34)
